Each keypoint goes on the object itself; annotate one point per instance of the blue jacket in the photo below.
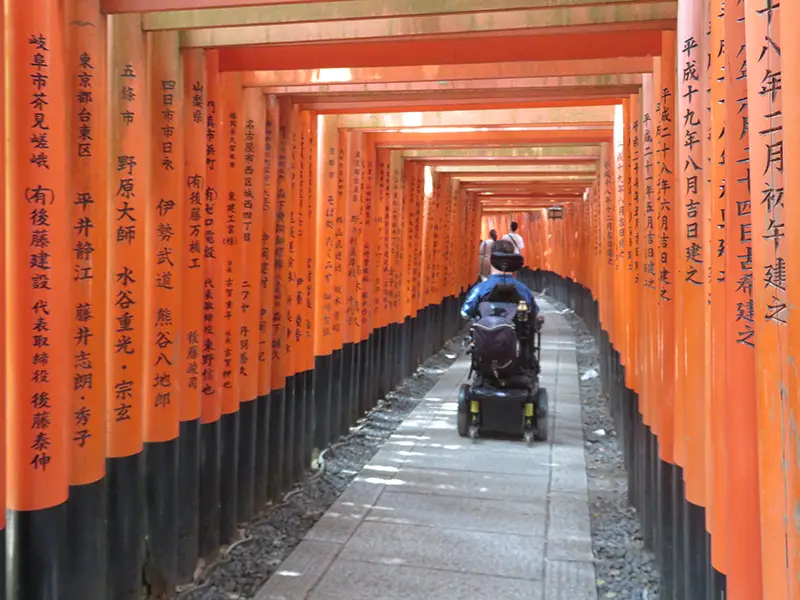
(470, 308)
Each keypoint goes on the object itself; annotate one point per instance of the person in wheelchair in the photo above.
(504, 262)
(504, 338)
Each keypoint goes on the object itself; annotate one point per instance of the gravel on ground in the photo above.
(269, 539)
(625, 568)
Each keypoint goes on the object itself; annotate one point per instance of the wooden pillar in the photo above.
(266, 294)
(325, 342)
(718, 338)
(743, 557)
(251, 171)
(230, 136)
(770, 313)
(130, 293)
(213, 324)
(667, 476)
(190, 348)
(38, 340)
(791, 133)
(279, 321)
(86, 185)
(163, 309)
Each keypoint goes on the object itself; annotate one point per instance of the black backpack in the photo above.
(496, 350)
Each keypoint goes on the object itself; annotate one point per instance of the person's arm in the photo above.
(471, 303)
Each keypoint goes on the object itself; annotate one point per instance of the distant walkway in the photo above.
(435, 517)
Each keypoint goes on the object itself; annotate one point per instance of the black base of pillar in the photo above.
(188, 499)
(277, 441)
(210, 488)
(86, 542)
(161, 516)
(248, 425)
(323, 402)
(36, 567)
(229, 475)
(125, 527)
(263, 412)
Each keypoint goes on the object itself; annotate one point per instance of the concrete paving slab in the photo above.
(300, 572)
(567, 580)
(515, 488)
(348, 580)
(480, 461)
(457, 550)
(469, 514)
(342, 518)
(569, 517)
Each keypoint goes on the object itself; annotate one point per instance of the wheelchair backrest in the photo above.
(505, 293)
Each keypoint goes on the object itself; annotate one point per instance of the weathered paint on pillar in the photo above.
(127, 320)
(86, 187)
(692, 248)
(39, 340)
(718, 340)
(743, 558)
(213, 302)
(770, 271)
(666, 140)
(190, 346)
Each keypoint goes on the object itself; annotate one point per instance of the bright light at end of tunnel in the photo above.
(332, 76)
(428, 190)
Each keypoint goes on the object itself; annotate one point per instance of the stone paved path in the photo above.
(435, 517)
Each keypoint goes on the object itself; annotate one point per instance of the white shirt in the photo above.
(516, 239)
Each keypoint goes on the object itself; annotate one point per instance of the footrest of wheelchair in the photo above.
(491, 394)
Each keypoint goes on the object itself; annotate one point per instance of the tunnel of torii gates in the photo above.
(232, 226)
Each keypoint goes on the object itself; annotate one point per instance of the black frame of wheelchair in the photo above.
(506, 410)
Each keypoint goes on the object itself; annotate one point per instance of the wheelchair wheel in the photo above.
(540, 433)
(463, 410)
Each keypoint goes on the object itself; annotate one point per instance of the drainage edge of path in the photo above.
(270, 538)
(624, 568)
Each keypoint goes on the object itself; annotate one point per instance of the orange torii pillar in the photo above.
(251, 172)
(190, 355)
(279, 122)
(717, 385)
(743, 555)
(267, 203)
(791, 131)
(86, 185)
(771, 278)
(326, 338)
(230, 139)
(213, 324)
(668, 478)
(693, 260)
(130, 294)
(162, 310)
(38, 340)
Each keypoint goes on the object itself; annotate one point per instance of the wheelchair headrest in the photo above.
(508, 263)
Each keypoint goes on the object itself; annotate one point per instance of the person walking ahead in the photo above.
(515, 238)
(485, 253)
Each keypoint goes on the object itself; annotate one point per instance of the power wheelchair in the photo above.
(510, 403)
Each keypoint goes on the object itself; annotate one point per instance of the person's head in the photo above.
(501, 247)
(493, 234)
(514, 226)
